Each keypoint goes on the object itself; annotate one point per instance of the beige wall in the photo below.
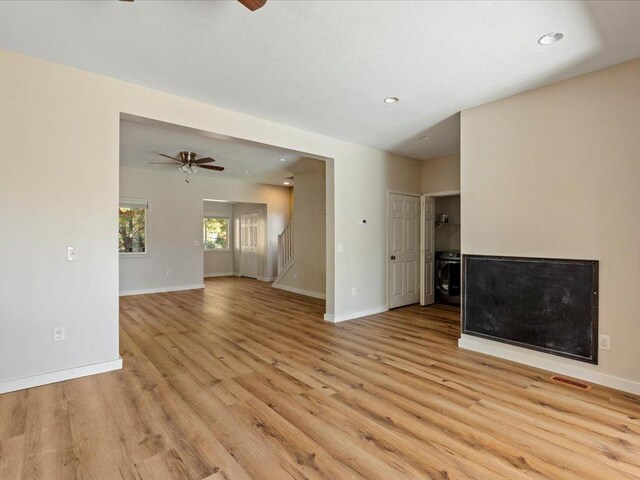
(307, 273)
(65, 124)
(441, 174)
(555, 172)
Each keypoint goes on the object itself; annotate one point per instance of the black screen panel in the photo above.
(542, 304)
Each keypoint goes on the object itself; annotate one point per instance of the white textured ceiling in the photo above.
(325, 66)
(141, 140)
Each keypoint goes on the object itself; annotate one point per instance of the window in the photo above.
(132, 227)
(216, 233)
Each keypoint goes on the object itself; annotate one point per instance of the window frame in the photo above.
(147, 222)
(225, 216)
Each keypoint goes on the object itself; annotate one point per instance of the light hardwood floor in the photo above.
(242, 381)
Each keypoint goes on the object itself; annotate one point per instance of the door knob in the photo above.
(393, 257)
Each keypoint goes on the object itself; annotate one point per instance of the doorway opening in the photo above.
(236, 240)
(196, 204)
(441, 255)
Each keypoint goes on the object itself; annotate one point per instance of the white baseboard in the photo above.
(59, 376)
(266, 279)
(353, 315)
(524, 356)
(210, 275)
(161, 290)
(299, 291)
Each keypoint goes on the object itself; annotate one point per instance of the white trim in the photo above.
(59, 376)
(134, 254)
(299, 291)
(398, 192)
(353, 315)
(266, 279)
(447, 193)
(217, 215)
(224, 274)
(284, 271)
(145, 291)
(523, 356)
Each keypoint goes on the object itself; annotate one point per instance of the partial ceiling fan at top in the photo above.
(252, 5)
(188, 162)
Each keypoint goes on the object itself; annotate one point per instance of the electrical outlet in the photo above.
(604, 341)
(354, 291)
(58, 334)
(169, 273)
(196, 243)
(340, 248)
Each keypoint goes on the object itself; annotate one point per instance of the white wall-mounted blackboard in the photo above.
(549, 305)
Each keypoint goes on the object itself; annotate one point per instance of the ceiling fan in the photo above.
(252, 5)
(188, 162)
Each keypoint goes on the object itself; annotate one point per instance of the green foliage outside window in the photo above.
(131, 230)
(216, 233)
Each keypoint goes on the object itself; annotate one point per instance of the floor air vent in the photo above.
(570, 383)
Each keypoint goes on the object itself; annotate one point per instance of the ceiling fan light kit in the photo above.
(252, 5)
(188, 162)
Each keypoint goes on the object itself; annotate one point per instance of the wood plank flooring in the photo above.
(242, 381)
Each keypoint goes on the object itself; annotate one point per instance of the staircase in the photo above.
(285, 250)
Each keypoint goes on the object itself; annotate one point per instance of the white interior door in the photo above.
(249, 245)
(404, 250)
(427, 289)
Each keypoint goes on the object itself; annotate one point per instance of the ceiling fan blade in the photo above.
(204, 160)
(208, 167)
(165, 163)
(168, 156)
(253, 5)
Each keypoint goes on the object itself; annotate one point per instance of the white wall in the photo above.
(175, 222)
(555, 172)
(441, 174)
(65, 123)
(219, 263)
(308, 272)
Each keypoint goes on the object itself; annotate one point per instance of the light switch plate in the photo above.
(72, 254)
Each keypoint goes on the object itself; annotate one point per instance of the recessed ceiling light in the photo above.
(391, 100)
(550, 38)
(283, 159)
(286, 183)
(425, 138)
